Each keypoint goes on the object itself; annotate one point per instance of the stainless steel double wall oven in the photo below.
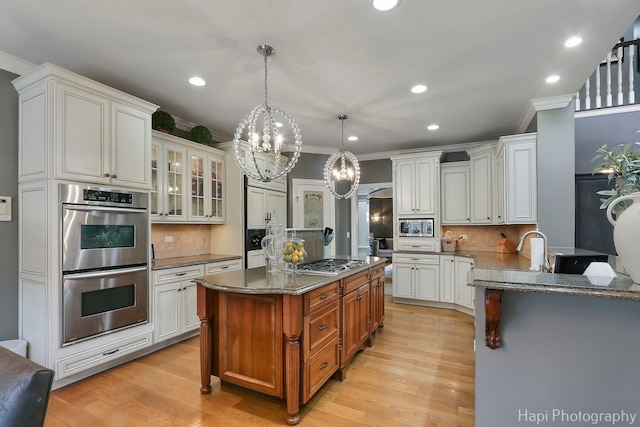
(105, 252)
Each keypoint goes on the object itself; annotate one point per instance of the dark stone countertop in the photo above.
(258, 281)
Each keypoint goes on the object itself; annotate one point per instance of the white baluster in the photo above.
(577, 103)
(632, 93)
(609, 95)
(587, 95)
(598, 97)
(619, 66)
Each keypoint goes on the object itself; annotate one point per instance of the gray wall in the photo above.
(556, 175)
(9, 187)
(373, 171)
(561, 352)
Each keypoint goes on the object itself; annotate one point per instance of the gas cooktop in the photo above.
(329, 266)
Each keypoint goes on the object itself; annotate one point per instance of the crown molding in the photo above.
(551, 103)
(215, 135)
(14, 64)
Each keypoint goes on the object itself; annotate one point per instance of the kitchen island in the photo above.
(286, 335)
(555, 349)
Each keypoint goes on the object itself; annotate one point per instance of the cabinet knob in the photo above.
(114, 176)
(106, 175)
(179, 289)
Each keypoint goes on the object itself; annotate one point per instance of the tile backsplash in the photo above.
(485, 238)
(184, 240)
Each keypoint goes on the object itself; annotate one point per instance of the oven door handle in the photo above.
(102, 273)
(90, 208)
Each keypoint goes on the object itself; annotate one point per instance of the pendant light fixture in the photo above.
(269, 139)
(342, 167)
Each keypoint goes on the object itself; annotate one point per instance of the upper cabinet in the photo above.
(481, 162)
(454, 179)
(516, 183)
(76, 129)
(187, 181)
(416, 184)
(265, 162)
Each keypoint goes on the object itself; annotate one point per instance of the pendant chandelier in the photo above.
(342, 167)
(269, 139)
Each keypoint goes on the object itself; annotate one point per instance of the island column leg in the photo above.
(292, 329)
(206, 300)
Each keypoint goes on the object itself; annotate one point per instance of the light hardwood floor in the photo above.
(419, 372)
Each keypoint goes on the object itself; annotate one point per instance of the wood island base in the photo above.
(287, 345)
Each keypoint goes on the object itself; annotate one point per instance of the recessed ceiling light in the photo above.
(433, 127)
(197, 81)
(385, 5)
(352, 138)
(552, 79)
(419, 89)
(573, 41)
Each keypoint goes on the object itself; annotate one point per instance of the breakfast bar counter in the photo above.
(285, 335)
(555, 349)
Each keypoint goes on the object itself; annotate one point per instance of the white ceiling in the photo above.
(483, 61)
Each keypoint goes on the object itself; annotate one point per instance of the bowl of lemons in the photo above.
(294, 253)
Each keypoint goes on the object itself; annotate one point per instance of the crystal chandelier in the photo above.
(342, 167)
(267, 140)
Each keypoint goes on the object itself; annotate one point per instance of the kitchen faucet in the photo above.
(545, 267)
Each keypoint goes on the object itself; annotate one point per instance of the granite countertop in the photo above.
(258, 281)
(621, 287)
(161, 264)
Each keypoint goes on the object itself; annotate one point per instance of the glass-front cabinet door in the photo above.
(168, 182)
(207, 184)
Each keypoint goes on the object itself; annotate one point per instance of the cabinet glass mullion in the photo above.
(197, 186)
(216, 188)
(174, 182)
(154, 181)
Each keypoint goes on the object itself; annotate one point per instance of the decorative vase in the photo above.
(626, 233)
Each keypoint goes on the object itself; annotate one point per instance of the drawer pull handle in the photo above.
(359, 297)
(324, 365)
(181, 274)
(223, 267)
(325, 296)
(323, 327)
(109, 353)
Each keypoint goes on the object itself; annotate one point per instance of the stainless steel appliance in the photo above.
(329, 266)
(105, 251)
(416, 227)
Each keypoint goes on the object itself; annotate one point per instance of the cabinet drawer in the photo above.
(319, 369)
(354, 281)
(320, 328)
(407, 244)
(320, 297)
(377, 271)
(217, 267)
(416, 258)
(171, 275)
(94, 357)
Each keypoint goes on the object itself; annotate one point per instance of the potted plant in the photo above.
(622, 163)
(163, 121)
(201, 134)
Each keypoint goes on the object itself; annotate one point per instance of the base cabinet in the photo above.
(416, 276)
(464, 294)
(377, 298)
(174, 302)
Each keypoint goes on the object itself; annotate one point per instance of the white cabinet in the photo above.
(416, 276)
(420, 244)
(263, 204)
(265, 162)
(447, 278)
(482, 162)
(187, 181)
(222, 266)
(174, 301)
(464, 294)
(207, 186)
(416, 185)
(455, 204)
(256, 258)
(516, 187)
(168, 181)
(95, 134)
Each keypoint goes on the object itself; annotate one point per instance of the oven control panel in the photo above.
(92, 195)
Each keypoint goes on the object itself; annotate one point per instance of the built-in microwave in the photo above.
(416, 227)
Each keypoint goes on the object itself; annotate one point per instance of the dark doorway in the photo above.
(593, 230)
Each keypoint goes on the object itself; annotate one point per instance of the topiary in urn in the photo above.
(201, 134)
(163, 121)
